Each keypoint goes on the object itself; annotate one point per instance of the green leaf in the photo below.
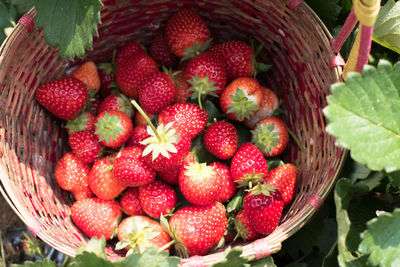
(7, 18)
(381, 240)
(236, 201)
(265, 262)
(364, 116)
(387, 26)
(213, 113)
(90, 259)
(232, 259)
(74, 32)
(23, 6)
(355, 171)
(327, 10)
(330, 259)
(44, 263)
(95, 246)
(151, 257)
(394, 181)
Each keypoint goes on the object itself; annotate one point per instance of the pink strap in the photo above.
(261, 249)
(365, 47)
(315, 201)
(294, 3)
(27, 21)
(35, 228)
(336, 60)
(195, 261)
(348, 26)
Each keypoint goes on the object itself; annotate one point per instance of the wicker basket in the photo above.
(296, 44)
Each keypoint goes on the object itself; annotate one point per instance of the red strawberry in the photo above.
(113, 128)
(130, 202)
(221, 139)
(130, 170)
(139, 119)
(241, 98)
(157, 198)
(171, 176)
(238, 57)
(268, 106)
(132, 71)
(181, 86)
(85, 121)
(107, 78)
(102, 181)
(187, 117)
(228, 186)
(96, 217)
(136, 233)
(197, 229)
(138, 135)
(93, 105)
(243, 227)
(199, 183)
(263, 206)
(270, 136)
(248, 166)
(83, 193)
(186, 33)
(127, 50)
(117, 102)
(156, 92)
(71, 174)
(159, 50)
(64, 98)
(88, 74)
(284, 178)
(85, 146)
(206, 74)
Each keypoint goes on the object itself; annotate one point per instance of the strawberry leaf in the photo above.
(151, 257)
(387, 26)
(44, 263)
(73, 34)
(364, 116)
(23, 6)
(381, 240)
(233, 259)
(236, 201)
(265, 262)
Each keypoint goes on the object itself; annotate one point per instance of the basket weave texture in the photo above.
(296, 44)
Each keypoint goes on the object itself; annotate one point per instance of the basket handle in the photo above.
(366, 12)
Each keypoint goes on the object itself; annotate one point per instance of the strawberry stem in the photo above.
(167, 245)
(296, 140)
(147, 119)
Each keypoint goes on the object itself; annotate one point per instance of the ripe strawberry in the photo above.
(206, 74)
(107, 78)
(284, 178)
(96, 217)
(83, 193)
(139, 119)
(130, 203)
(156, 92)
(171, 176)
(221, 139)
(132, 71)
(268, 106)
(263, 206)
(241, 98)
(199, 183)
(243, 227)
(187, 117)
(117, 102)
(113, 128)
(85, 146)
(85, 121)
(136, 233)
(102, 181)
(197, 229)
(138, 135)
(127, 50)
(248, 166)
(186, 33)
(181, 86)
(71, 174)
(64, 98)
(270, 136)
(88, 74)
(130, 170)
(228, 186)
(238, 58)
(159, 50)
(93, 105)
(157, 198)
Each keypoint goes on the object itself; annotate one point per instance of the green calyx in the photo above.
(125, 105)
(201, 87)
(262, 188)
(199, 171)
(258, 66)
(265, 138)
(180, 248)
(108, 127)
(77, 124)
(241, 230)
(242, 106)
(196, 49)
(250, 179)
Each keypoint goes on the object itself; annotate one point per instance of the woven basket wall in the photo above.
(296, 44)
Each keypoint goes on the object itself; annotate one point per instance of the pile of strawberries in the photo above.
(132, 168)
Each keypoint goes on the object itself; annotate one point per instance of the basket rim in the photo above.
(273, 240)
